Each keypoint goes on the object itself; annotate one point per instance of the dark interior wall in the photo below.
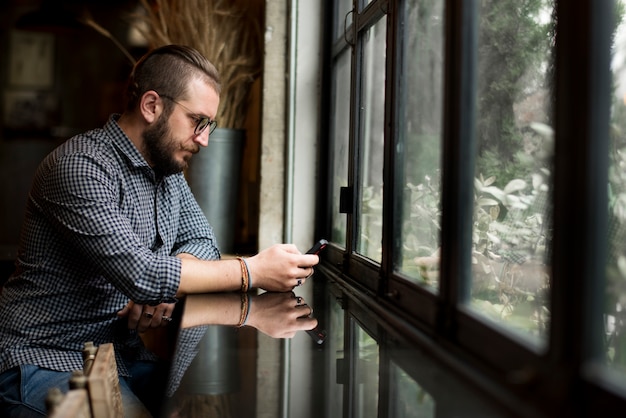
(87, 74)
(88, 68)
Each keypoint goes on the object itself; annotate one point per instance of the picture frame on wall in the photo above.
(31, 61)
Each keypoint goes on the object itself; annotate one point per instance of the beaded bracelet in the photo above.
(245, 310)
(245, 278)
(248, 273)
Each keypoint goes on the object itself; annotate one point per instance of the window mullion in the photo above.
(581, 135)
(459, 151)
(391, 228)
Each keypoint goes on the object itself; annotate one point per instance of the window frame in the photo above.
(569, 364)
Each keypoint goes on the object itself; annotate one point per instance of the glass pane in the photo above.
(512, 234)
(334, 348)
(409, 399)
(420, 102)
(340, 141)
(343, 17)
(615, 315)
(372, 137)
(366, 375)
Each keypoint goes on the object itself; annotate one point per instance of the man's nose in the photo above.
(203, 138)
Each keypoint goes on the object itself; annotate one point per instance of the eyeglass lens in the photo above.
(203, 123)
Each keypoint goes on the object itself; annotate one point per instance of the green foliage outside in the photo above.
(512, 216)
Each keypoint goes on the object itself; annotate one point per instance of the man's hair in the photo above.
(168, 70)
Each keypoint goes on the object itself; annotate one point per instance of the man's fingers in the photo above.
(126, 309)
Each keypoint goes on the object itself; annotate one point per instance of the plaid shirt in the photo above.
(101, 229)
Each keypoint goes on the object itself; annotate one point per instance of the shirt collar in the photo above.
(123, 143)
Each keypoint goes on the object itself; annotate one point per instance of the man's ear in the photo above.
(150, 106)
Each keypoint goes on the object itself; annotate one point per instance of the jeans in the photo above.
(23, 390)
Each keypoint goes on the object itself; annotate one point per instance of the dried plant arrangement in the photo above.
(87, 19)
(224, 32)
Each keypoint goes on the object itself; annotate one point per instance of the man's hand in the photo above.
(281, 267)
(278, 268)
(280, 315)
(144, 317)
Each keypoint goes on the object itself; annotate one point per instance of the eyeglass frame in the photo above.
(212, 124)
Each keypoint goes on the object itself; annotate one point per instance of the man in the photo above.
(113, 237)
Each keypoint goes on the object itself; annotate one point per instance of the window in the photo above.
(420, 139)
(512, 215)
(335, 355)
(411, 399)
(340, 132)
(372, 116)
(614, 336)
(366, 374)
(479, 161)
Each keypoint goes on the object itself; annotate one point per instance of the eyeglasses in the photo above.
(201, 121)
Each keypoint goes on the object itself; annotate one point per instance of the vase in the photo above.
(213, 176)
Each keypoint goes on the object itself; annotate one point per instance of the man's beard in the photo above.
(160, 148)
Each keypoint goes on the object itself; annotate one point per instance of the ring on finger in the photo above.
(299, 283)
(298, 301)
(148, 315)
(166, 318)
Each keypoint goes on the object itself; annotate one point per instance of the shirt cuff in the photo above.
(202, 252)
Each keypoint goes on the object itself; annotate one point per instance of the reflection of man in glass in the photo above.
(278, 315)
(113, 236)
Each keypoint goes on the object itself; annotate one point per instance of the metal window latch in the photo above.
(342, 376)
(346, 198)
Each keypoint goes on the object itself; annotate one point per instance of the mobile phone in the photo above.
(319, 336)
(319, 246)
